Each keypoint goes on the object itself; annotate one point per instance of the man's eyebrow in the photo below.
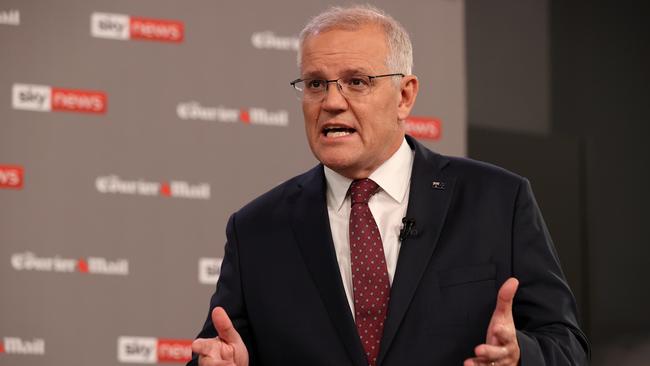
(312, 75)
(346, 72)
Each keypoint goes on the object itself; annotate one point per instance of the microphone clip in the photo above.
(408, 229)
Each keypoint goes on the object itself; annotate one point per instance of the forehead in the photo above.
(341, 50)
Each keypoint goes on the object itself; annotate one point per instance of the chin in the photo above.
(336, 164)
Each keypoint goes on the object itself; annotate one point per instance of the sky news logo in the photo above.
(113, 184)
(209, 270)
(42, 98)
(153, 350)
(427, 128)
(18, 346)
(28, 261)
(11, 177)
(126, 27)
(250, 116)
(10, 17)
(269, 40)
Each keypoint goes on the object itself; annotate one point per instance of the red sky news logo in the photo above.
(126, 27)
(209, 270)
(140, 187)
(43, 98)
(11, 177)
(153, 350)
(18, 346)
(28, 261)
(250, 116)
(428, 128)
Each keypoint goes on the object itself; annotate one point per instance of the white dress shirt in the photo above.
(388, 206)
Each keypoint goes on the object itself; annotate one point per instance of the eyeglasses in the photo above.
(350, 86)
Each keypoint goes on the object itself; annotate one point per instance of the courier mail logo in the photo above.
(18, 346)
(250, 116)
(269, 40)
(10, 17)
(42, 98)
(11, 177)
(153, 350)
(126, 27)
(140, 187)
(28, 261)
(209, 270)
(427, 128)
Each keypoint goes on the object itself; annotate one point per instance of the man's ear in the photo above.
(408, 92)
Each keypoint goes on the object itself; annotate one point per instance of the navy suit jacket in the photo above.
(476, 227)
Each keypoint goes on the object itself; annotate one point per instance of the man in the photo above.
(322, 270)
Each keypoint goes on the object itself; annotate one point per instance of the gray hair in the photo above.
(400, 49)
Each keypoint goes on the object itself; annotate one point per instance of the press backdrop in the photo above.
(130, 131)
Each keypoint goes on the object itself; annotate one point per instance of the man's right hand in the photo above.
(227, 349)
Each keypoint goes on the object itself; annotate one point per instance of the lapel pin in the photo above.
(438, 185)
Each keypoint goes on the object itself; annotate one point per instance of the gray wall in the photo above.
(110, 247)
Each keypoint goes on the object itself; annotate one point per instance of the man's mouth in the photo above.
(337, 131)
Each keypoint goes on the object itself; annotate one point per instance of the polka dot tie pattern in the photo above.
(371, 287)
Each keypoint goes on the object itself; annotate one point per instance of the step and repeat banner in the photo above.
(130, 131)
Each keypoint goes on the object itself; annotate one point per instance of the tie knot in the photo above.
(362, 189)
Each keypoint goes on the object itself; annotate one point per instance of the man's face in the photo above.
(367, 129)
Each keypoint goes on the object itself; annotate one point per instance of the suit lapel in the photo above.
(429, 197)
(310, 224)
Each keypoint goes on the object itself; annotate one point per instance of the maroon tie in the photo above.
(369, 272)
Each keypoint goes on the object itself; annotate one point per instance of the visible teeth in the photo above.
(337, 133)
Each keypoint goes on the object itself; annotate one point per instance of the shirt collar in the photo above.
(393, 176)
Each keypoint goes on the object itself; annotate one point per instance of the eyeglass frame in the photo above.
(339, 86)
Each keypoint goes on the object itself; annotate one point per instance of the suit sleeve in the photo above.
(544, 309)
(229, 295)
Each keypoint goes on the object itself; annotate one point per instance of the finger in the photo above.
(505, 297)
(224, 327)
(490, 352)
(198, 346)
(476, 361)
(469, 362)
(205, 346)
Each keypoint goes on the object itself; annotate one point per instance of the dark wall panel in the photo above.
(554, 167)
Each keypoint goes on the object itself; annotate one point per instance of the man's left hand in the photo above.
(501, 347)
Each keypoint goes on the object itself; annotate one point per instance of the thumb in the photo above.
(224, 327)
(505, 297)
(502, 315)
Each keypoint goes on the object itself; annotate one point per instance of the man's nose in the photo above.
(333, 98)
